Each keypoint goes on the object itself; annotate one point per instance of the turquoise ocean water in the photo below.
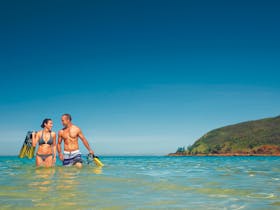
(144, 183)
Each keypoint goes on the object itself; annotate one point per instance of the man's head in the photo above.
(66, 119)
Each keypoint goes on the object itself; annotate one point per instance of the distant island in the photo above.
(252, 138)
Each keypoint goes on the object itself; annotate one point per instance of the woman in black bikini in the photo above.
(46, 154)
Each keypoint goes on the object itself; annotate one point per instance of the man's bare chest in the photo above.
(69, 135)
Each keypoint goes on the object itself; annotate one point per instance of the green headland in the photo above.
(259, 137)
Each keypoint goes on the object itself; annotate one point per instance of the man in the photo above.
(70, 135)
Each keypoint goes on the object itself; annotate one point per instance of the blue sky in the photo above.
(139, 77)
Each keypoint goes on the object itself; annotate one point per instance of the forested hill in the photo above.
(248, 138)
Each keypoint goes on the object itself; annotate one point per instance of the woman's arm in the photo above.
(54, 147)
(54, 144)
(35, 137)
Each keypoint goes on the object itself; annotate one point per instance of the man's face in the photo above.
(65, 121)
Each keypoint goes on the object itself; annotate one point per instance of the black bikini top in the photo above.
(42, 141)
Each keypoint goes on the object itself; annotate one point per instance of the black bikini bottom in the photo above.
(44, 157)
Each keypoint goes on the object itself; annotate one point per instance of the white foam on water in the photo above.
(261, 195)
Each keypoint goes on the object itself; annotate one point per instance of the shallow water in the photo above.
(144, 183)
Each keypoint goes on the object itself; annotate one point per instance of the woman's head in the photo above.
(47, 123)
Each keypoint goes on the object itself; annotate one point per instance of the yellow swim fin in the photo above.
(95, 159)
(31, 152)
(27, 150)
(22, 151)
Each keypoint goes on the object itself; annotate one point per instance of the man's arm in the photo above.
(85, 141)
(59, 141)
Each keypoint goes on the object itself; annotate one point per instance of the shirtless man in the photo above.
(70, 134)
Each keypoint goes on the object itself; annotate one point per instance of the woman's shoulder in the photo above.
(39, 132)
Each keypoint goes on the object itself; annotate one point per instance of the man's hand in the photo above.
(91, 152)
(61, 157)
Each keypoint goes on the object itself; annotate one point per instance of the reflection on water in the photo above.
(67, 185)
(40, 186)
(144, 183)
(42, 180)
(97, 170)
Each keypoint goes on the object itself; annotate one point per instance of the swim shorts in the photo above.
(71, 158)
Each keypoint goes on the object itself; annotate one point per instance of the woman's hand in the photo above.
(54, 160)
(33, 134)
(34, 138)
(61, 157)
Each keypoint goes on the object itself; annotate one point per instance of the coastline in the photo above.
(220, 155)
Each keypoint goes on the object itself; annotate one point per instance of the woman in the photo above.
(46, 153)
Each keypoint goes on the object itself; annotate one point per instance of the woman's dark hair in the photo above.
(45, 121)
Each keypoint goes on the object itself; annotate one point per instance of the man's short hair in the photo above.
(68, 116)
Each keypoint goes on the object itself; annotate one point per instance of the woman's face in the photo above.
(49, 125)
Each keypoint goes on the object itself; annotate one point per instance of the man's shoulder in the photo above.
(61, 131)
(76, 127)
